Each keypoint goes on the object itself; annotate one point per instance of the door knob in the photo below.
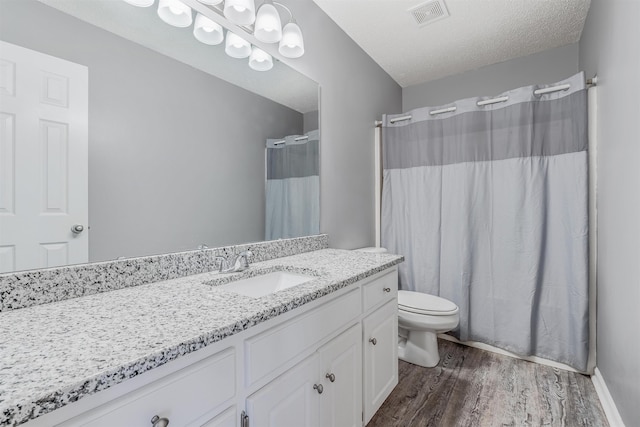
(77, 228)
(159, 422)
(331, 377)
(318, 388)
(387, 289)
(373, 341)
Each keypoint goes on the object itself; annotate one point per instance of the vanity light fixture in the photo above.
(290, 37)
(236, 46)
(207, 31)
(240, 12)
(268, 26)
(140, 3)
(292, 43)
(260, 60)
(175, 13)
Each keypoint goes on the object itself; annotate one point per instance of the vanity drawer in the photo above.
(380, 289)
(180, 397)
(274, 348)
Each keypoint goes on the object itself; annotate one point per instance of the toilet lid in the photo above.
(417, 302)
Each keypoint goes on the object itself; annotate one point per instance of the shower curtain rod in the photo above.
(590, 82)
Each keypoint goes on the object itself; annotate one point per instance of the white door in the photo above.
(43, 160)
(380, 348)
(341, 364)
(290, 400)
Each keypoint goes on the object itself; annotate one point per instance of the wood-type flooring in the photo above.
(473, 387)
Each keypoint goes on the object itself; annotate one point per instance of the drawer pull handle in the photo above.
(373, 341)
(331, 377)
(318, 388)
(159, 422)
(387, 289)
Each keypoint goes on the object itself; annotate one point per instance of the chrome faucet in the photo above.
(239, 263)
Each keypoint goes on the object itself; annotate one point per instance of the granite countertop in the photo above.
(56, 353)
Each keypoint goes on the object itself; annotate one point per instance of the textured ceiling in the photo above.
(281, 84)
(477, 33)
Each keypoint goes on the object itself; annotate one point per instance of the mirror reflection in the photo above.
(133, 141)
(293, 186)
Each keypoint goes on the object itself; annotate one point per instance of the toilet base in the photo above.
(418, 347)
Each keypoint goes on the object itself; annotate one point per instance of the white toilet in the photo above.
(420, 318)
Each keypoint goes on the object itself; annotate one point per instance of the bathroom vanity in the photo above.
(190, 351)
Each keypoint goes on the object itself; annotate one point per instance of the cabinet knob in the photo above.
(331, 377)
(386, 289)
(318, 388)
(373, 341)
(156, 421)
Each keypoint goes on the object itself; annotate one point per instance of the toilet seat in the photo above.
(425, 304)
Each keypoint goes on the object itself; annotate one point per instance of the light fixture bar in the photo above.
(215, 14)
(293, 48)
(285, 8)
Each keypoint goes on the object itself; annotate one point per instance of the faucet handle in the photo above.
(223, 263)
(243, 257)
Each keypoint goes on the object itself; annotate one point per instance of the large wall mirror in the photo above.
(177, 138)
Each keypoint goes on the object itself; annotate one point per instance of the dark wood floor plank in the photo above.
(472, 387)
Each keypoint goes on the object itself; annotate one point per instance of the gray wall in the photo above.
(610, 47)
(311, 121)
(354, 92)
(176, 156)
(545, 67)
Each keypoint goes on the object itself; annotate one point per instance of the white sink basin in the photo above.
(266, 284)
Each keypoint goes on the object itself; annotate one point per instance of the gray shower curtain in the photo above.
(489, 206)
(293, 187)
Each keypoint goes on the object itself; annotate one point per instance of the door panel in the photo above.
(289, 400)
(43, 159)
(341, 359)
(381, 357)
(7, 163)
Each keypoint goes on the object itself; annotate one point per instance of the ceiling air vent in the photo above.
(429, 12)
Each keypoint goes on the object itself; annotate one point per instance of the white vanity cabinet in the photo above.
(182, 397)
(323, 390)
(362, 362)
(329, 363)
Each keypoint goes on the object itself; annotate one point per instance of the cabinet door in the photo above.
(341, 361)
(380, 348)
(289, 400)
(225, 419)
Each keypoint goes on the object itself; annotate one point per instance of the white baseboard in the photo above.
(487, 347)
(609, 406)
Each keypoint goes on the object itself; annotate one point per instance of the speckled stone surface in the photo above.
(53, 354)
(29, 288)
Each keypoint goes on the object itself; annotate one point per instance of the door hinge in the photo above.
(244, 419)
